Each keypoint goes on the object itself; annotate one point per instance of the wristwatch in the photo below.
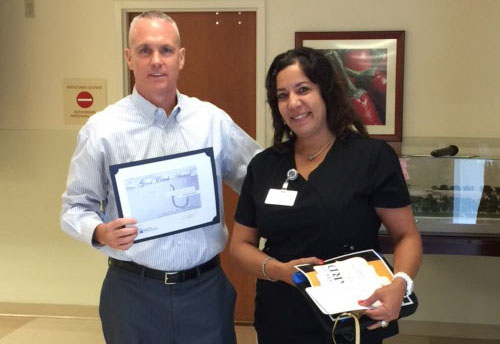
(408, 280)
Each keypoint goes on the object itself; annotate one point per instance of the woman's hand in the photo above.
(244, 250)
(390, 297)
(284, 271)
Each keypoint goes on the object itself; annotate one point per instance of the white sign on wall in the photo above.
(83, 98)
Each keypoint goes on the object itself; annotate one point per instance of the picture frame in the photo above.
(372, 65)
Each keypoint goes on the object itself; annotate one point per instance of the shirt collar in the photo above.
(151, 111)
(181, 103)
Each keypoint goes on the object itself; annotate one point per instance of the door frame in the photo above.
(122, 7)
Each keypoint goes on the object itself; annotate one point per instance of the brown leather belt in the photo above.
(167, 277)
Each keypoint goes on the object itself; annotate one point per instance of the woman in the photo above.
(347, 185)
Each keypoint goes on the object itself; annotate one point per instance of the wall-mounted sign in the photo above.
(83, 98)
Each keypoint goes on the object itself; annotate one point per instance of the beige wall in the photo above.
(451, 52)
(451, 90)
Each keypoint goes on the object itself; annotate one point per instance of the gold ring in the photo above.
(384, 323)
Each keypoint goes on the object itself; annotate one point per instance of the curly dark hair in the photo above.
(320, 70)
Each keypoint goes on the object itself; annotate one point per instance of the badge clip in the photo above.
(292, 174)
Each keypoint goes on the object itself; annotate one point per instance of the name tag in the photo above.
(281, 197)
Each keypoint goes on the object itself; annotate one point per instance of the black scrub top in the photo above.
(334, 212)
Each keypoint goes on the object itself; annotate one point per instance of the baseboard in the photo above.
(445, 329)
(406, 326)
(12, 309)
(48, 310)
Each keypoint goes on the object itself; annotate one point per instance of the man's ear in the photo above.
(182, 57)
(128, 57)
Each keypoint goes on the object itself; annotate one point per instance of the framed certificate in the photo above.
(168, 195)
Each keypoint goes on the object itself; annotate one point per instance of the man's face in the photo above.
(155, 57)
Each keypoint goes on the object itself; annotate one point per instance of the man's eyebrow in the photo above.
(146, 45)
(139, 46)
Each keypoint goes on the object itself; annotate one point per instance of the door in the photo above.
(220, 68)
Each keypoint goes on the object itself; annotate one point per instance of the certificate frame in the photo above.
(376, 59)
(169, 194)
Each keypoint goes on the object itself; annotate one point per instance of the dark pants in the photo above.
(136, 309)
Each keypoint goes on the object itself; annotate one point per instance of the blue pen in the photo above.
(299, 278)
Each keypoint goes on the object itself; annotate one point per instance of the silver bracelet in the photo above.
(263, 268)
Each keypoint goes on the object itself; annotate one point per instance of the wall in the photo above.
(451, 90)
(64, 40)
(450, 77)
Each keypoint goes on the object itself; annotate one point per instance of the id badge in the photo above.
(281, 197)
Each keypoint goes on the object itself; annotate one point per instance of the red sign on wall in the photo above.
(84, 99)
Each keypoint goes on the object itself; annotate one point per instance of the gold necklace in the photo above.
(311, 157)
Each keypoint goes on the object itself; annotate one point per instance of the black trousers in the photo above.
(135, 309)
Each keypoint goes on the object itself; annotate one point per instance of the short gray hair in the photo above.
(152, 15)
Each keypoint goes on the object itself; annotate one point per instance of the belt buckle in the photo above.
(166, 277)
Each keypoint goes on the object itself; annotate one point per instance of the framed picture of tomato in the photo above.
(371, 64)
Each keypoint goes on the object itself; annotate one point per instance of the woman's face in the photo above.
(300, 102)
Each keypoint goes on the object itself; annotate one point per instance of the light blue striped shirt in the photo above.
(134, 129)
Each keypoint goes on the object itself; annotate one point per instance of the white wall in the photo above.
(450, 79)
(451, 89)
(66, 39)
(38, 262)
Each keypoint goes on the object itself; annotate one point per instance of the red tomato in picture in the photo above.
(378, 84)
(357, 59)
(363, 106)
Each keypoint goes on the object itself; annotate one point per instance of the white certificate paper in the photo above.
(169, 194)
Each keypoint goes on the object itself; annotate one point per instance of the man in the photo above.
(137, 305)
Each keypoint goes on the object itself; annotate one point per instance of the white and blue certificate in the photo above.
(168, 195)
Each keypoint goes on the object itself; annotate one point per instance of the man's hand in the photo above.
(114, 234)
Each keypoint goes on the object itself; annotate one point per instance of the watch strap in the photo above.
(407, 279)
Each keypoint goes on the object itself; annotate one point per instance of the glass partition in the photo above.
(455, 195)
(456, 203)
